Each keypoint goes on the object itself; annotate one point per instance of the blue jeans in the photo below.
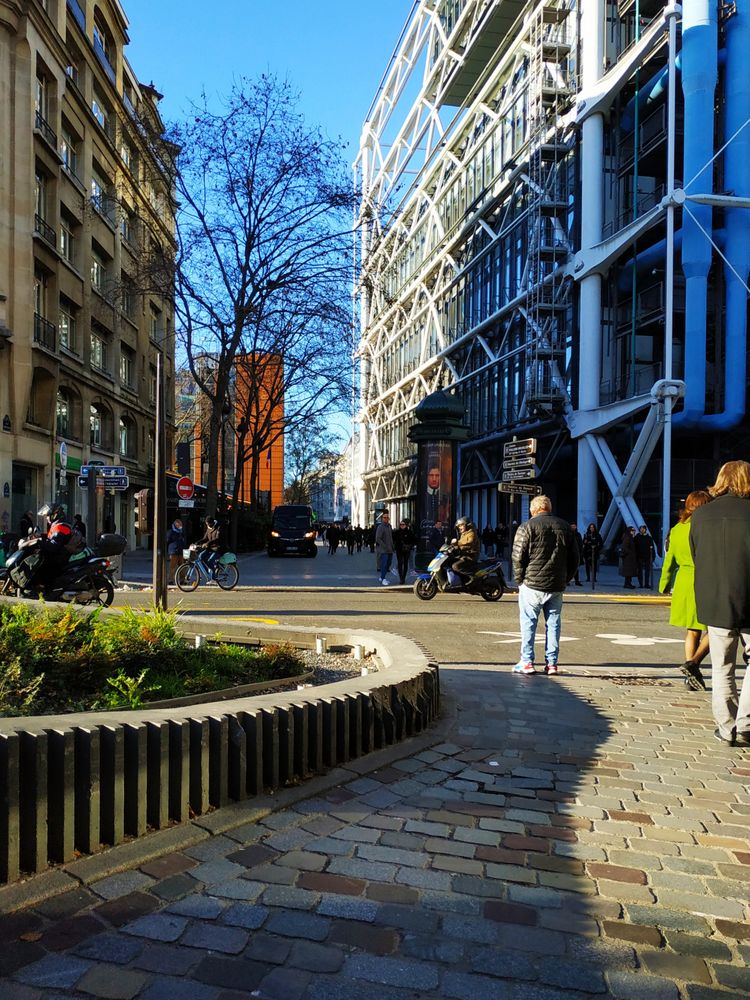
(384, 564)
(531, 603)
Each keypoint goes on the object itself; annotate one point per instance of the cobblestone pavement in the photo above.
(561, 837)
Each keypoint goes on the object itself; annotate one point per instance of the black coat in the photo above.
(404, 539)
(545, 553)
(645, 550)
(720, 544)
(628, 558)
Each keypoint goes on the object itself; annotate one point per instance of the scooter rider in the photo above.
(467, 545)
(54, 546)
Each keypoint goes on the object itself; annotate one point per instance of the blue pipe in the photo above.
(737, 245)
(699, 78)
(650, 93)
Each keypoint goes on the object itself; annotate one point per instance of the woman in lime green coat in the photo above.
(677, 577)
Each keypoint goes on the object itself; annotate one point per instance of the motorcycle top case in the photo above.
(24, 573)
(111, 545)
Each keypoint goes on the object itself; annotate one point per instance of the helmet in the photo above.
(211, 522)
(463, 523)
(52, 511)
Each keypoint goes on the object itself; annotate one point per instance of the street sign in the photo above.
(104, 471)
(519, 463)
(105, 482)
(512, 475)
(63, 455)
(520, 489)
(186, 503)
(515, 449)
(185, 488)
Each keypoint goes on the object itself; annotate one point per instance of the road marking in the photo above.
(515, 636)
(248, 618)
(626, 639)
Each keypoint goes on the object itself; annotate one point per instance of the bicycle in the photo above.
(224, 570)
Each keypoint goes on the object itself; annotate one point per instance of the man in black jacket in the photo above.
(720, 544)
(545, 558)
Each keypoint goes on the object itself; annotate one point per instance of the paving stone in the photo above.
(636, 933)
(407, 918)
(467, 984)
(54, 971)
(111, 984)
(733, 929)
(340, 988)
(316, 957)
(465, 866)
(706, 993)
(510, 913)
(157, 927)
(473, 886)
(402, 841)
(690, 944)
(110, 948)
(168, 988)
(67, 933)
(284, 984)
(275, 874)
(348, 907)
(303, 860)
(217, 871)
(602, 952)
(173, 888)
(325, 882)
(67, 904)
(377, 940)
(168, 866)
(255, 854)
(384, 893)
(15, 991)
(504, 964)
(237, 888)
(676, 920)
(202, 907)
(291, 898)
(634, 986)
(288, 840)
(393, 971)
(231, 973)
(322, 826)
(380, 822)
(375, 871)
(167, 960)
(357, 834)
(329, 846)
(709, 905)
(298, 924)
(121, 884)
(473, 929)
(267, 948)
(431, 949)
(571, 975)
(733, 976)
(121, 911)
(391, 855)
(210, 937)
(511, 873)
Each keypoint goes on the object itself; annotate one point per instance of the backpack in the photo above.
(75, 543)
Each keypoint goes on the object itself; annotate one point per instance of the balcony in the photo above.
(105, 206)
(103, 58)
(45, 333)
(46, 232)
(45, 129)
(78, 13)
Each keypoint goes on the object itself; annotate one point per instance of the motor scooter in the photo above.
(85, 579)
(488, 580)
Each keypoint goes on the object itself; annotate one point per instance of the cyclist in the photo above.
(210, 544)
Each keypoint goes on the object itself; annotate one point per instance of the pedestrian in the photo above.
(351, 540)
(26, 524)
(678, 578)
(720, 546)
(80, 526)
(384, 547)
(413, 549)
(545, 557)
(488, 540)
(371, 537)
(645, 552)
(176, 543)
(627, 563)
(579, 543)
(437, 536)
(593, 544)
(404, 541)
(332, 537)
(359, 535)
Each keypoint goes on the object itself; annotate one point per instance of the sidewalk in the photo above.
(552, 839)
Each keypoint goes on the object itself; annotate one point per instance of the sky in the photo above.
(333, 51)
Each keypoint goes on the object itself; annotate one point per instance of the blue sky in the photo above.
(334, 51)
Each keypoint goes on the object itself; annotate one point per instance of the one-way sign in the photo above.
(521, 489)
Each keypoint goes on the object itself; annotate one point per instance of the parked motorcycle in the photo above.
(488, 580)
(85, 579)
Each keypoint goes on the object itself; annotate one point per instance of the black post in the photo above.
(160, 493)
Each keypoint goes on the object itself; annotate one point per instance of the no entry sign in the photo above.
(185, 488)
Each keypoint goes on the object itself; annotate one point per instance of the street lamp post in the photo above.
(160, 497)
(226, 412)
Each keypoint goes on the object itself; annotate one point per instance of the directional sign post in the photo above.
(512, 475)
(520, 489)
(517, 449)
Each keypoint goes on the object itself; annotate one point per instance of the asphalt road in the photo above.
(602, 631)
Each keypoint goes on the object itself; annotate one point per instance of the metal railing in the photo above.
(104, 60)
(43, 126)
(45, 231)
(78, 13)
(45, 333)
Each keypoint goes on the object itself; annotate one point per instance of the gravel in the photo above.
(330, 667)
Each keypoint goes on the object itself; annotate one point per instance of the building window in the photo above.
(62, 414)
(128, 226)
(98, 352)
(151, 448)
(127, 297)
(69, 151)
(67, 241)
(126, 154)
(73, 70)
(98, 273)
(127, 367)
(127, 437)
(156, 330)
(152, 384)
(40, 195)
(95, 426)
(40, 294)
(68, 338)
(41, 98)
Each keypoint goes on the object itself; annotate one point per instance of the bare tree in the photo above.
(263, 266)
(306, 446)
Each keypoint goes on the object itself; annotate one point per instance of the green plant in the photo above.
(127, 692)
(17, 695)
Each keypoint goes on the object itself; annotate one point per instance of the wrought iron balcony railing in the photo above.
(45, 333)
(43, 126)
(45, 231)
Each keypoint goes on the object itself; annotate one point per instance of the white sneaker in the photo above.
(384, 583)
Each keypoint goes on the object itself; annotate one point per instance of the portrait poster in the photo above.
(435, 492)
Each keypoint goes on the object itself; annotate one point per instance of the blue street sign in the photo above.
(105, 470)
(107, 482)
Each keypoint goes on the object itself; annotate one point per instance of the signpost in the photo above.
(185, 488)
(517, 449)
(520, 489)
(519, 462)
